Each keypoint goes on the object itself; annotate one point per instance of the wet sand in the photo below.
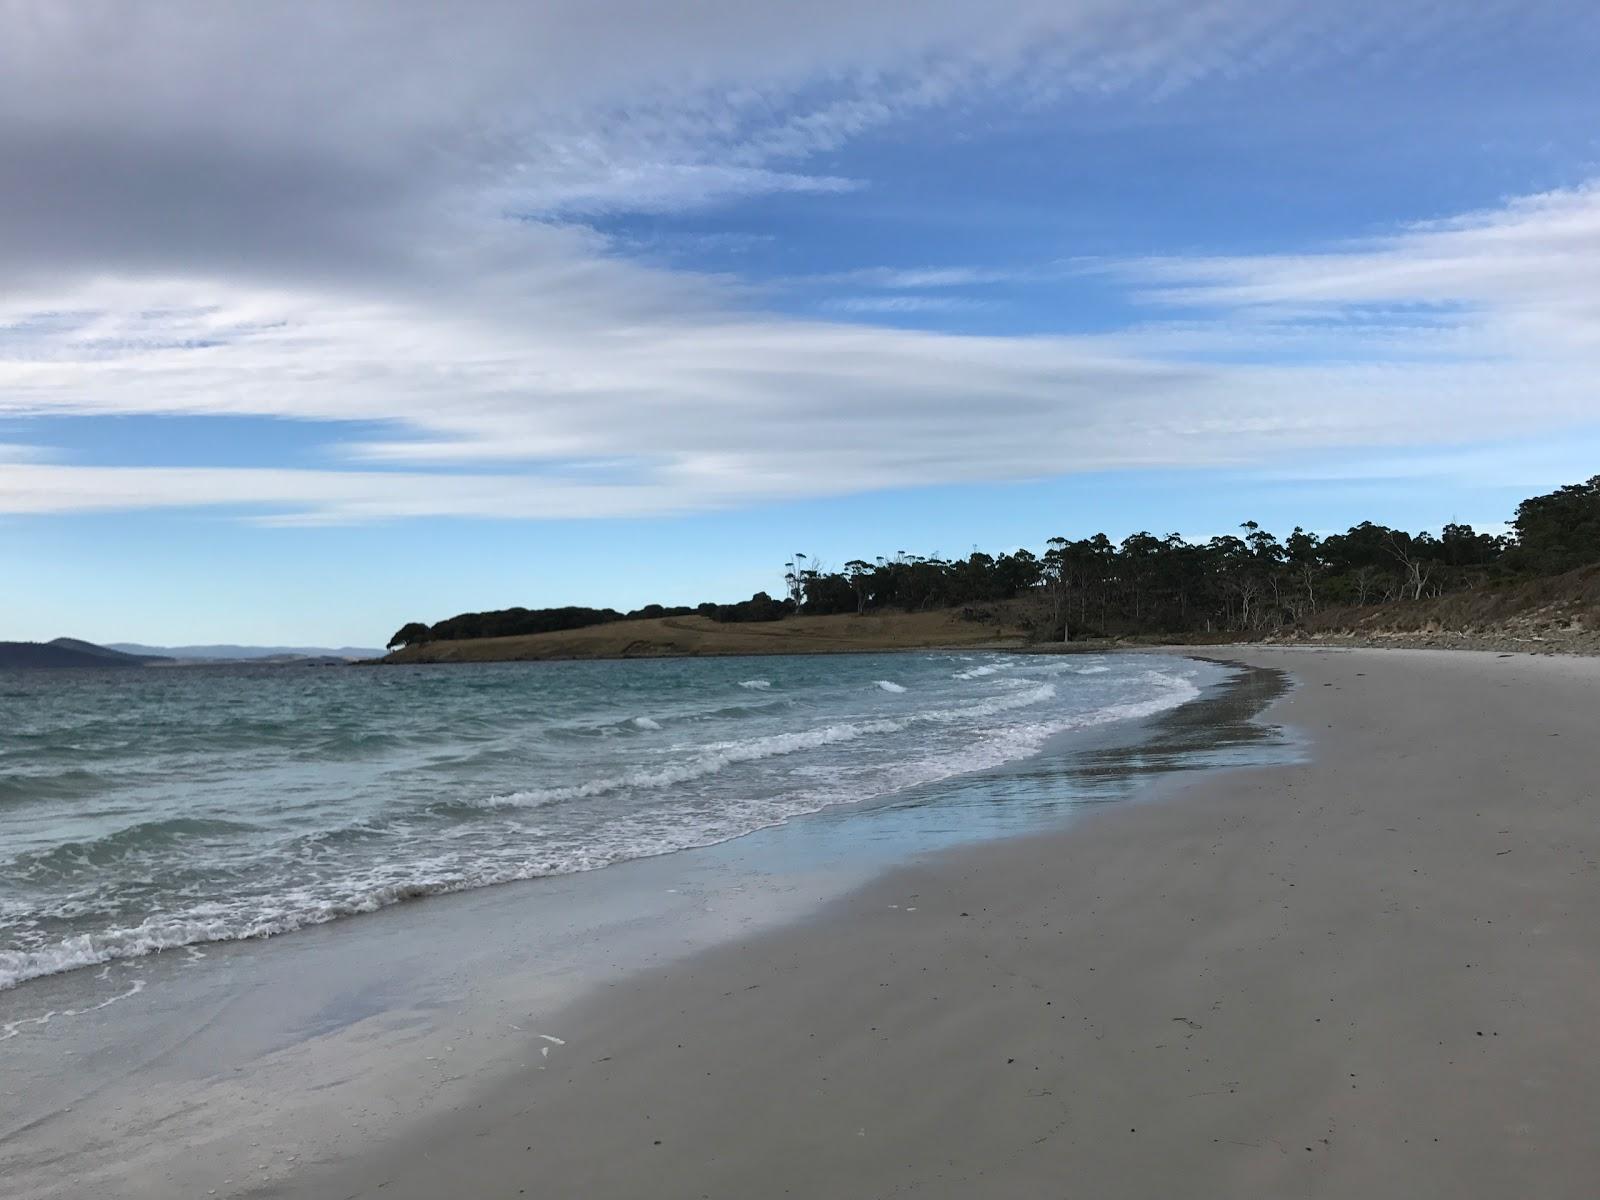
(218, 1070)
(1375, 973)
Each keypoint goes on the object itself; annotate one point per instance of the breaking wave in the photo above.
(228, 848)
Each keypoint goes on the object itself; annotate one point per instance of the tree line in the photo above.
(1248, 582)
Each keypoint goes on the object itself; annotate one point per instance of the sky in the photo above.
(318, 319)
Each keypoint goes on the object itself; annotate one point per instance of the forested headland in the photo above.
(1250, 583)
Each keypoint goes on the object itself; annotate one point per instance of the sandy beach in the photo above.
(741, 601)
(1371, 973)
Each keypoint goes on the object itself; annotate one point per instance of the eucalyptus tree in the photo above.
(1245, 583)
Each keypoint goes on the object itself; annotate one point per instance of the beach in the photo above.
(1371, 973)
(299, 914)
(1364, 963)
(712, 601)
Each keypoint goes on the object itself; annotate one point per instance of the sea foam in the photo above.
(259, 843)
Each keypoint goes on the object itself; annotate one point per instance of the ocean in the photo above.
(155, 810)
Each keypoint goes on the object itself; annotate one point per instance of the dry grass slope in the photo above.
(670, 637)
(1560, 613)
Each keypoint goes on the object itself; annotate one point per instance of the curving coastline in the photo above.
(1369, 973)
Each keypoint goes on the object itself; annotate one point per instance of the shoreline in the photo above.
(272, 1041)
(1373, 971)
(427, 1089)
(1568, 643)
(1071, 740)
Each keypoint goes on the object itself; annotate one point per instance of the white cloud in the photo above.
(1526, 269)
(918, 278)
(905, 304)
(208, 212)
(13, 452)
(315, 497)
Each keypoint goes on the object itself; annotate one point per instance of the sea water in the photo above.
(150, 809)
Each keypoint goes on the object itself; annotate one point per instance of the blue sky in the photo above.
(309, 329)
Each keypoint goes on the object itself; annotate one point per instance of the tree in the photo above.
(1303, 550)
(1248, 583)
(760, 607)
(1364, 575)
(1139, 553)
(829, 592)
(1410, 553)
(1058, 582)
(1464, 546)
(410, 634)
(794, 579)
(859, 573)
(1560, 530)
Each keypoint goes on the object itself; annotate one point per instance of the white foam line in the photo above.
(12, 1028)
(434, 877)
(717, 756)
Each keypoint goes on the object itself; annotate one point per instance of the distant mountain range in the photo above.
(71, 652)
(74, 652)
(229, 652)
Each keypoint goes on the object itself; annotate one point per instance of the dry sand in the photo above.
(1373, 974)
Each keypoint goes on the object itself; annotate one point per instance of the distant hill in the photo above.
(672, 637)
(71, 652)
(236, 653)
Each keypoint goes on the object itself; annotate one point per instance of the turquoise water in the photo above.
(152, 809)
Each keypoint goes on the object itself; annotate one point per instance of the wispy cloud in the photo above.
(920, 278)
(301, 497)
(1537, 254)
(704, 407)
(396, 222)
(13, 452)
(905, 304)
(609, 188)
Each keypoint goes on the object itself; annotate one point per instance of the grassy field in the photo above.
(666, 637)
